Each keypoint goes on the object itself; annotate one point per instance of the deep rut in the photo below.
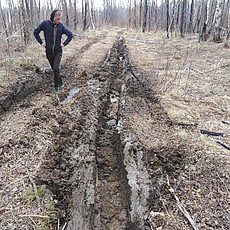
(112, 199)
(111, 182)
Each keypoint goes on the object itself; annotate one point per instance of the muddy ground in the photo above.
(105, 152)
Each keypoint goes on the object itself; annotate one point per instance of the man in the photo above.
(53, 30)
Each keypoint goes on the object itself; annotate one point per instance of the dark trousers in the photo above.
(55, 60)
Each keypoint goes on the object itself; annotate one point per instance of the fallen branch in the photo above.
(181, 207)
(17, 32)
(210, 133)
(35, 216)
(63, 228)
(135, 75)
(58, 99)
(58, 228)
(187, 124)
(130, 69)
(16, 181)
(185, 212)
(223, 144)
(107, 59)
(226, 122)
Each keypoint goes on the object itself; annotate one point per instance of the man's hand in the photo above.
(62, 45)
(44, 44)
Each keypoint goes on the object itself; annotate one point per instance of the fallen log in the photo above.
(187, 124)
(223, 144)
(210, 133)
(226, 122)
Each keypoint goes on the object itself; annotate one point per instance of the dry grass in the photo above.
(23, 149)
(191, 80)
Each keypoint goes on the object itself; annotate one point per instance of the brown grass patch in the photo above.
(191, 80)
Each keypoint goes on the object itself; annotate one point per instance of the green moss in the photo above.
(44, 226)
(30, 194)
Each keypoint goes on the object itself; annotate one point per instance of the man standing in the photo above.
(53, 30)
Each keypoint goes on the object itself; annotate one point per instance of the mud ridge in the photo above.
(21, 89)
(111, 176)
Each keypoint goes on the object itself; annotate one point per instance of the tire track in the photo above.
(113, 190)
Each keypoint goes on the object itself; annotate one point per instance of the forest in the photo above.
(177, 17)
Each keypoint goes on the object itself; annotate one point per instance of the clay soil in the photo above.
(120, 146)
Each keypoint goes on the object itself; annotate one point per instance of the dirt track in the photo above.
(95, 146)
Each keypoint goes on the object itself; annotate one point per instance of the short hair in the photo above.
(58, 13)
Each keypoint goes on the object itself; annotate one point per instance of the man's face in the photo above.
(57, 18)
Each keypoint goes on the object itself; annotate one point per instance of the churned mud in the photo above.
(98, 147)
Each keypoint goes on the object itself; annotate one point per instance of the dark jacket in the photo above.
(48, 27)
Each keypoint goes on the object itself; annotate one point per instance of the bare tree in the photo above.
(218, 18)
(91, 14)
(211, 14)
(85, 10)
(182, 18)
(167, 17)
(145, 16)
(26, 27)
(190, 27)
(5, 26)
(203, 21)
(225, 17)
(75, 15)
(140, 13)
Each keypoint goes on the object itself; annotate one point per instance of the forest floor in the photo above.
(120, 147)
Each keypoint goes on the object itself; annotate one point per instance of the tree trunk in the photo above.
(140, 18)
(145, 16)
(25, 24)
(51, 5)
(85, 16)
(167, 17)
(203, 22)
(135, 15)
(91, 14)
(82, 11)
(39, 10)
(182, 19)
(65, 6)
(173, 17)
(130, 14)
(177, 21)
(150, 17)
(218, 18)
(225, 18)
(211, 13)
(75, 15)
(190, 28)
(5, 26)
